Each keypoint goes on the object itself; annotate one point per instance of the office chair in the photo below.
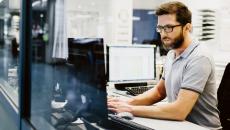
(223, 96)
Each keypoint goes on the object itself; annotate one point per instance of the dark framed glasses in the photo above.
(166, 28)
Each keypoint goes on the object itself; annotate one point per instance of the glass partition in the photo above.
(69, 39)
(61, 61)
(9, 64)
(55, 75)
(9, 50)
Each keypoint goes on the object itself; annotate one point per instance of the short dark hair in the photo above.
(183, 14)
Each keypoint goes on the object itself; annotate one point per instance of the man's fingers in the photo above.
(112, 104)
(113, 100)
(113, 110)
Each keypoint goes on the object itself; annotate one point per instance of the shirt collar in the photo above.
(188, 50)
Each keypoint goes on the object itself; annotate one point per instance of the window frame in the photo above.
(25, 65)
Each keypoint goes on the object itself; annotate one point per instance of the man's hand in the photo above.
(177, 110)
(118, 105)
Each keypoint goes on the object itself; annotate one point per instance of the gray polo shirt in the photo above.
(194, 70)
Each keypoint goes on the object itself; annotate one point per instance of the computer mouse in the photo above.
(126, 115)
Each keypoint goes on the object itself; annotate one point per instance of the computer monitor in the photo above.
(88, 98)
(131, 63)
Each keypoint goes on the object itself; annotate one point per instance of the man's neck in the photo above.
(186, 43)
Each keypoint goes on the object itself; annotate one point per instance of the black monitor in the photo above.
(88, 98)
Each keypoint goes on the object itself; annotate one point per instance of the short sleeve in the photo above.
(196, 74)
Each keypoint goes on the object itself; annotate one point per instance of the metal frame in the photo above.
(25, 62)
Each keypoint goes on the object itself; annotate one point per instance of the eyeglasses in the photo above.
(166, 28)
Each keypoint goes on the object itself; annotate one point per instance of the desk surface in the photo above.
(167, 124)
(158, 124)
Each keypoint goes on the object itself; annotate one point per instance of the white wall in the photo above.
(84, 17)
(144, 4)
(14, 4)
(104, 18)
(122, 24)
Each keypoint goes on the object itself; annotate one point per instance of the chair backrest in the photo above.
(223, 95)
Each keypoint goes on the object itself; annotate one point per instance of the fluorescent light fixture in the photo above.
(135, 18)
(151, 12)
(38, 2)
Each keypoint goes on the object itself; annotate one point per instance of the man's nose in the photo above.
(163, 33)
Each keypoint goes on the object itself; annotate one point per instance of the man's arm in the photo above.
(150, 97)
(177, 110)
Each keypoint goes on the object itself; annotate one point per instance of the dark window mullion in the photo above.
(25, 61)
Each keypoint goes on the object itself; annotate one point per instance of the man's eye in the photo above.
(168, 26)
(160, 27)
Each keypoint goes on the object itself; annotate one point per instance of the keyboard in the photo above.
(130, 125)
(137, 90)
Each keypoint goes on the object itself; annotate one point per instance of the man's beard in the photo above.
(176, 44)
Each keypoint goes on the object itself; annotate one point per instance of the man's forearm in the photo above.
(177, 110)
(161, 111)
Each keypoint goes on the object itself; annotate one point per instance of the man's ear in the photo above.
(188, 27)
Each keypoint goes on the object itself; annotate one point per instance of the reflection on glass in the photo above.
(71, 89)
(86, 92)
(68, 75)
(9, 52)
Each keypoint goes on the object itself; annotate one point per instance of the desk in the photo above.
(158, 124)
(167, 124)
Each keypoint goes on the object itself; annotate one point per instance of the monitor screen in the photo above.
(131, 63)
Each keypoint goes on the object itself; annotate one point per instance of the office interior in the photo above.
(118, 36)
